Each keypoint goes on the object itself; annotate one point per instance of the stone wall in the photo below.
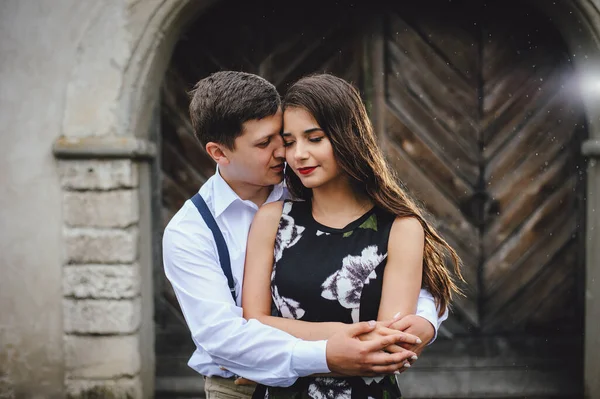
(101, 278)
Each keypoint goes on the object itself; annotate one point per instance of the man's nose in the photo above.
(279, 151)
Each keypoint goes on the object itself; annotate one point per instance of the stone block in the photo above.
(101, 246)
(98, 174)
(101, 281)
(102, 316)
(122, 388)
(98, 357)
(117, 208)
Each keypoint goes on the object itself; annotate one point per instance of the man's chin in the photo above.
(274, 180)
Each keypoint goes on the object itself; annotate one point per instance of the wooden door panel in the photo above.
(436, 101)
(482, 124)
(530, 172)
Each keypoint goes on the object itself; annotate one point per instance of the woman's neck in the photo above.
(336, 204)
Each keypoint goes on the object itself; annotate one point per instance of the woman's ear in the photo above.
(217, 152)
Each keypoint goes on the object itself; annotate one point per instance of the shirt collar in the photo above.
(224, 196)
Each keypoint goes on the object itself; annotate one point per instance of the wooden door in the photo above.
(483, 123)
(475, 109)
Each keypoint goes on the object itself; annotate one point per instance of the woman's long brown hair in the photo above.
(338, 109)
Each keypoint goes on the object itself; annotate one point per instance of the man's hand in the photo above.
(418, 326)
(348, 355)
(243, 381)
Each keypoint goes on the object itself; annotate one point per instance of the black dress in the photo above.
(327, 274)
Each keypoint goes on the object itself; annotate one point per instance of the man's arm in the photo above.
(427, 310)
(250, 349)
(424, 324)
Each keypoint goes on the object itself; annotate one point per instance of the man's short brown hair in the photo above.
(223, 101)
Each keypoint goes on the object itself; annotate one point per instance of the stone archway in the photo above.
(105, 169)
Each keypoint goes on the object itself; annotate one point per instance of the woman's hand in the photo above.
(381, 330)
(418, 326)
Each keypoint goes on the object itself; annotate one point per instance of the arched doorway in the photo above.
(474, 107)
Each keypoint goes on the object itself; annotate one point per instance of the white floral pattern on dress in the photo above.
(329, 388)
(288, 232)
(369, 380)
(289, 308)
(346, 284)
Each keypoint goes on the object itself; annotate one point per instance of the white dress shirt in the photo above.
(223, 338)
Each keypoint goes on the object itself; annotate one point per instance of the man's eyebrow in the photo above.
(307, 131)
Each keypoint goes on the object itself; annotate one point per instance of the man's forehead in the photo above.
(255, 129)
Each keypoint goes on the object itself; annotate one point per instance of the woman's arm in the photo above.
(256, 292)
(403, 272)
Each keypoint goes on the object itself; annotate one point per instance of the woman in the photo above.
(354, 248)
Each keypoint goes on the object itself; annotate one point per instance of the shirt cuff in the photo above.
(310, 357)
(433, 319)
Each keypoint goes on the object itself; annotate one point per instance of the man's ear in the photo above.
(217, 152)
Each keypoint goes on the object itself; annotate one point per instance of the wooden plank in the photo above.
(418, 51)
(346, 63)
(554, 212)
(173, 196)
(429, 194)
(436, 97)
(542, 289)
(509, 97)
(499, 292)
(434, 133)
(177, 127)
(438, 170)
(445, 216)
(449, 29)
(521, 198)
(324, 45)
(374, 89)
(553, 147)
(556, 313)
(505, 57)
(455, 225)
(178, 170)
(500, 127)
(533, 132)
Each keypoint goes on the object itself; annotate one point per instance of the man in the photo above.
(237, 118)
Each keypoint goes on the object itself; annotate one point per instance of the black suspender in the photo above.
(220, 241)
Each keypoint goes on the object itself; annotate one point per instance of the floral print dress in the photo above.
(327, 274)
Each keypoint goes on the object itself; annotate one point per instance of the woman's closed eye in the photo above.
(310, 139)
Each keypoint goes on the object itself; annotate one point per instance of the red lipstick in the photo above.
(306, 171)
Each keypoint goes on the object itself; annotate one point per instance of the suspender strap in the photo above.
(220, 241)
